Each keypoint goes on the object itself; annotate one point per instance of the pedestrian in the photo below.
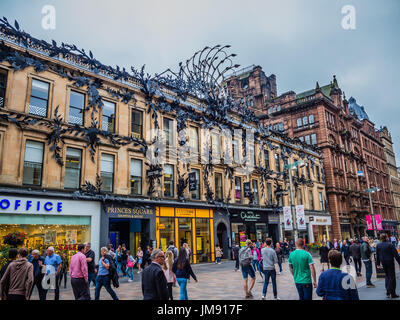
(103, 275)
(355, 252)
(183, 271)
(139, 255)
(154, 283)
(110, 253)
(90, 259)
(245, 259)
(12, 255)
(256, 259)
(146, 257)
(301, 266)
(393, 240)
(366, 254)
(235, 253)
(172, 248)
(64, 270)
(37, 262)
(335, 244)
(18, 278)
(323, 253)
(269, 258)
(329, 244)
(124, 259)
(385, 256)
(169, 275)
(330, 282)
(53, 269)
(279, 254)
(345, 250)
(188, 251)
(118, 257)
(79, 274)
(218, 254)
(130, 264)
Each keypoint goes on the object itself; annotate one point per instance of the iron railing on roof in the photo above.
(240, 71)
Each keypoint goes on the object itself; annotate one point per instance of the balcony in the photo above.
(306, 127)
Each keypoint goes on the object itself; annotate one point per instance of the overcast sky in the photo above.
(301, 42)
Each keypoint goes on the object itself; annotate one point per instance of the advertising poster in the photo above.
(300, 217)
(242, 236)
(287, 217)
(378, 222)
(50, 236)
(370, 225)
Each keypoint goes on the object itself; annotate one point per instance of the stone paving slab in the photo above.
(216, 282)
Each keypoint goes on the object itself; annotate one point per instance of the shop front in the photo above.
(187, 225)
(249, 224)
(345, 228)
(389, 227)
(319, 228)
(131, 224)
(44, 222)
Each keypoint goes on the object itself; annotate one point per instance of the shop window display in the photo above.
(203, 249)
(167, 232)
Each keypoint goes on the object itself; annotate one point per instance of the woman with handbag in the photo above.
(130, 264)
(169, 275)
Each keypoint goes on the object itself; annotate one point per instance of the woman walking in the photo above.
(323, 253)
(183, 271)
(188, 251)
(218, 254)
(256, 259)
(130, 264)
(279, 254)
(64, 270)
(118, 258)
(139, 256)
(169, 275)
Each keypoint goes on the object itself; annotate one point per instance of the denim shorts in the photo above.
(248, 270)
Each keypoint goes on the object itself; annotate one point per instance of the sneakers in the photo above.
(263, 298)
(250, 294)
(277, 298)
(219, 262)
(394, 296)
(370, 285)
(279, 273)
(130, 280)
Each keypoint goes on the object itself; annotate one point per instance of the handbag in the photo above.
(130, 263)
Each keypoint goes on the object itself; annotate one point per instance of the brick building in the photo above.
(323, 117)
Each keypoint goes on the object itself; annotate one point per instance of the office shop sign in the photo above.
(29, 205)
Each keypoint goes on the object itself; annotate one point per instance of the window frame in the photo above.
(42, 164)
(39, 98)
(80, 167)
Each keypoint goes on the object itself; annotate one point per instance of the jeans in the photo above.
(280, 265)
(38, 283)
(119, 264)
(357, 264)
(182, 284)
(237, 263)
(129, 271)
(256, 266)
(91, 277)
(368, 271)
(218, 259)
(123, 267)
(63, 274)
(304, 290)
(272, 274)
(104, 281)
(347, 258)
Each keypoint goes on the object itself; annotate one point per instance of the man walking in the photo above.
(103, 276)
(18, 278)
(245, 259)
(38, 262)
(154, 283)
(385, 255)
(53, 268)
(355, 252)
(366, 253)
(345, 251)
(301, 266)
(172, 248)
(269, 258)
(334, 284)
(78, 272)
(235, 253)
(90, 258)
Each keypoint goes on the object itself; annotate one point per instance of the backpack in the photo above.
(174, 250)
(245, 257)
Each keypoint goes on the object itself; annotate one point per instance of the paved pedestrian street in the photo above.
(220, 281)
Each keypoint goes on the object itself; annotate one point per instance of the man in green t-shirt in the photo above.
(301, 266)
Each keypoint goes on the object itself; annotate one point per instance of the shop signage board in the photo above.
(369, 222)
(192, 181)
(378, 222)
(287, 217)
(30, 205)
(129, 212)
(300, 217)
(248, 216)
(247, 190)
(156, 172)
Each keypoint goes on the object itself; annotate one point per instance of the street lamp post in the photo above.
(370, 191)
(289, 167)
